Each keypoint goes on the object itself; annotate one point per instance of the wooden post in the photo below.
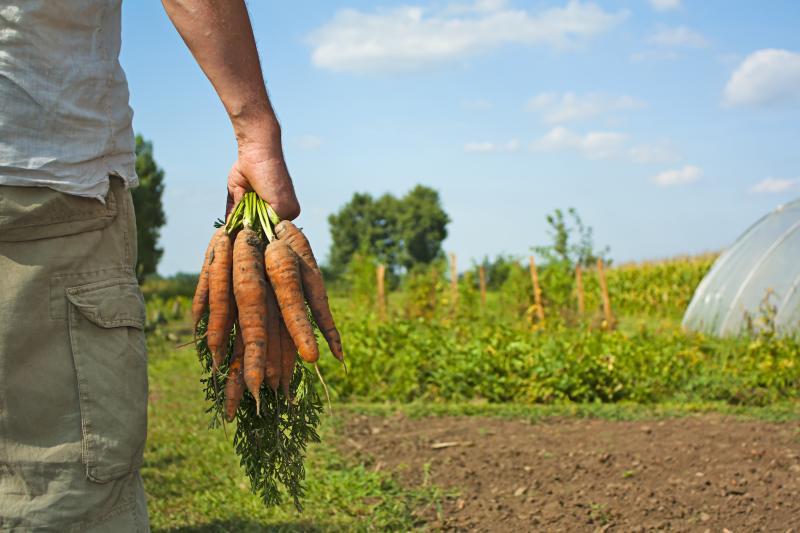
(609, 318)
(579, 288)
(482, 280)
(380, 272)
(537, 292)
(454, 279)
(435, 276)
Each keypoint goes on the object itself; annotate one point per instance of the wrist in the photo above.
(256, 128)
(260, 144)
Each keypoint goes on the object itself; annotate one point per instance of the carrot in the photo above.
(234, 386)
(284, 275)
(288, 360)
(250, 289)
(272, 373)
(313, 285)
(200, 300)
(220, 302)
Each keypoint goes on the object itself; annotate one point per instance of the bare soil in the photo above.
(701, 473)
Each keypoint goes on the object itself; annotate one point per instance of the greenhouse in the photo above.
(756, 282)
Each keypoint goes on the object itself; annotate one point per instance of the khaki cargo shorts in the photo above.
(73, 363)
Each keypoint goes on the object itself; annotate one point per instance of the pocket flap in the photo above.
(110, 303)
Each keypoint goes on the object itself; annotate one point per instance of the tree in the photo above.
(573, 243)
(149, 208)
(398, 232)
(364, 225)
(423, 226)
(497, 270)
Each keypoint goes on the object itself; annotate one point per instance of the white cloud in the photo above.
(665, 5)
(593, 145)
(558, 108)
(681, 176)
(660, 152)
(409, 37)
(487, 147)
(765, 77)
(309, 142)
(680, 36)
(776, 185)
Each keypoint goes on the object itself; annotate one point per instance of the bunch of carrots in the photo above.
(258, 281)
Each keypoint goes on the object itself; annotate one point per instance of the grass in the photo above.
(778, 412)
(194, 482)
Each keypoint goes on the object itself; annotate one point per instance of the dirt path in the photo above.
(704, 473)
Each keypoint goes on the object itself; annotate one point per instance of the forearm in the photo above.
(219, 35)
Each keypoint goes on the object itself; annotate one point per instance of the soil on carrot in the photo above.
(698, 473)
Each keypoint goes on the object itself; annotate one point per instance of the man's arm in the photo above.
(220, 37)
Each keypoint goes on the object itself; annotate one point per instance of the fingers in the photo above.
(237, 184)
(270, 180)
(235, 192)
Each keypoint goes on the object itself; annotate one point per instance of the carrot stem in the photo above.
(273, 216)
(325, 388)
(265, 222)
(185, 344)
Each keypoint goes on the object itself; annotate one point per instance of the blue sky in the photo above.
(671, 125)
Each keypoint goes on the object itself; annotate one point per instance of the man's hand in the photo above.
(220, 37)
(264, 171)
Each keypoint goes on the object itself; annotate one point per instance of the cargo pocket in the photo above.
(106, 327)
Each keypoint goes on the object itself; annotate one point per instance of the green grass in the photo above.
(778, 412)
(194, 482)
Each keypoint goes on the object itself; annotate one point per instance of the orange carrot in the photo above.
(220, 301)
(288, 360)
(250, 289)
(284, 275)
(313, 285)
(200, 300)
(234, 386)
(272, 373)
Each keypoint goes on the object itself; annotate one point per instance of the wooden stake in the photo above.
(454, 279)
(381, 275)
(579, 288)
(537, 291)
(609, 318)
(482, 280)
(435, 275)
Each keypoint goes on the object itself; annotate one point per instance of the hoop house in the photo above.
(762, 266)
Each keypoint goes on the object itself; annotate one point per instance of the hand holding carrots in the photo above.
(260, 273)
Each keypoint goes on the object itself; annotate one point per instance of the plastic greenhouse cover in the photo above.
(757, 278)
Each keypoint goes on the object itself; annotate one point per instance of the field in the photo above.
(463, 416)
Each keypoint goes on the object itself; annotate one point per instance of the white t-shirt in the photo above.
(65, 122)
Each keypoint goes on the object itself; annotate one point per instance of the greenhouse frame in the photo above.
(754, 284)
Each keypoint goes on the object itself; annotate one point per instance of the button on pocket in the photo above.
(106, 323)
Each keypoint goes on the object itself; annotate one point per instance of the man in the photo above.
(73, 367)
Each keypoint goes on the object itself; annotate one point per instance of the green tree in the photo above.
(364, 225)
(398, 232)
(423, 226)
(573, 241)
(147, 202)
(497, 270)
(572, 244)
